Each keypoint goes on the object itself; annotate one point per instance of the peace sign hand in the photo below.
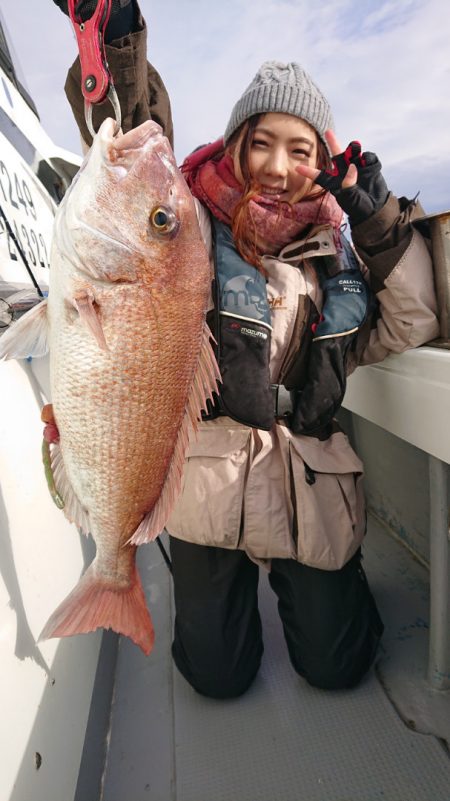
(355, 180)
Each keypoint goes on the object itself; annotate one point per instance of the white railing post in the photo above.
(439, 647)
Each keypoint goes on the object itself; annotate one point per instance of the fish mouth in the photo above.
(126, 148)
(138, 137)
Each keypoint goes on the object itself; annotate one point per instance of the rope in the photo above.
(164, 554)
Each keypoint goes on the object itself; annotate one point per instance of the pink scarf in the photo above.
(210, 177)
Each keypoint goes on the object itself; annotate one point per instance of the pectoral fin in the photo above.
(27, 336)
(89, 314)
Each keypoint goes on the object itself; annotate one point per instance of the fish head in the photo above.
(128, 209)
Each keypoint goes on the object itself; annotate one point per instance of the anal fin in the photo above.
(73, 509)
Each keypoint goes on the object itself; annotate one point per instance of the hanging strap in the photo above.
(96, 80)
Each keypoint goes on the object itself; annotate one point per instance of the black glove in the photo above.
(370, 192)
(121, 20)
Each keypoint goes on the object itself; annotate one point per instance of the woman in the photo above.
(271, 479)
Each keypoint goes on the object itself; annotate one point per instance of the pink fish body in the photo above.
(131, 363)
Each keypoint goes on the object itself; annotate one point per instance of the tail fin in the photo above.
(95, 604)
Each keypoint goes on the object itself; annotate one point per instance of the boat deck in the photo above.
(385, 739)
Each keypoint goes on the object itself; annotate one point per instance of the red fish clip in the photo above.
(96, 80)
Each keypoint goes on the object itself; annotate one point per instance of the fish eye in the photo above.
(163, 221)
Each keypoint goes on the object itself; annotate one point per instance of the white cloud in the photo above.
(385, 70)
(384, 67)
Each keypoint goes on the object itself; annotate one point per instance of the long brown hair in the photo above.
(242, 223)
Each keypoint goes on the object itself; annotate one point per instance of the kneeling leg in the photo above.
(217, 640)
(331, 624)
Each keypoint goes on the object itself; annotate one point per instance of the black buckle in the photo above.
(282, 401)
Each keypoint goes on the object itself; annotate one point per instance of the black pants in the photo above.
(331, 624)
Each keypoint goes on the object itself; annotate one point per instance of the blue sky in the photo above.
(384, 66)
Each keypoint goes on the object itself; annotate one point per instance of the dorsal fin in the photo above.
(204, 384)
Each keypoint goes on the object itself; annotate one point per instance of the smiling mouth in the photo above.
(268, 190)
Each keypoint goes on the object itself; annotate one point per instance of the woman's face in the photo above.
(280, 143)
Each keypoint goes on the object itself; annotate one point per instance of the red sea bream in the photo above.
(131, 363)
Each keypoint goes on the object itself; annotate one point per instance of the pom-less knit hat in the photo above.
(285, 88)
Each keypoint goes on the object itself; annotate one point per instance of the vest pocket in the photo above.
(327, 484)
(209, 509)
(245, 352)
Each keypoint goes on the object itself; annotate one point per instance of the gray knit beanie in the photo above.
(285, 88)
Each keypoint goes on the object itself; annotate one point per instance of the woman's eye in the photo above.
(302, 153)
(163, 221)
(259, 143)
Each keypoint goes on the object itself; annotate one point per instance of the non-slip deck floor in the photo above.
(283, 740)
